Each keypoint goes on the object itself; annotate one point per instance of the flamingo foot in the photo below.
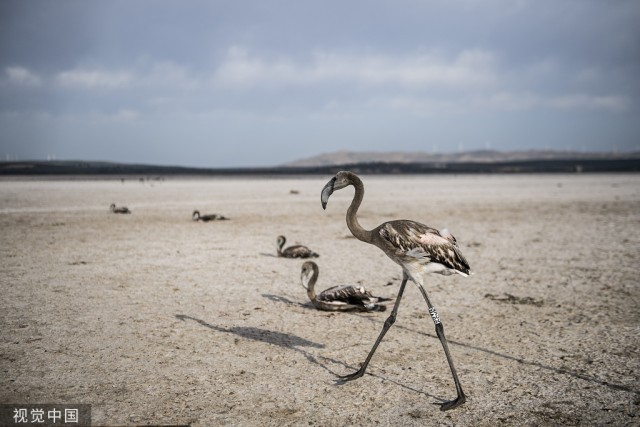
(344, 378)
(453, 403)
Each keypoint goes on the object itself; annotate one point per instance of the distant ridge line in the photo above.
(83, 168)
(477, 156)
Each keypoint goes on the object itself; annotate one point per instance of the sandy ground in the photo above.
(154, 319)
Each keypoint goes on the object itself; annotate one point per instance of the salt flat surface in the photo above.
(154, 319)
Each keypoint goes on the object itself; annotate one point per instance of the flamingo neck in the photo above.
(310, 285)
(352, 219)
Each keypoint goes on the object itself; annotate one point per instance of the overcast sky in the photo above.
(258, 83)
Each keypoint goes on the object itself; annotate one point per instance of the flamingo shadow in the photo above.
(285, 340)
(521, 360)
(258, 334)
(292, 342)
(311, 358)
(281, 299)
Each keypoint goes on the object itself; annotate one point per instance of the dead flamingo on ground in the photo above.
(295, 251)
(206, 218)
(119, 210)
(338, 298)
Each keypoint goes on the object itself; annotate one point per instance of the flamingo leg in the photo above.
(443, 340)
(387, 324)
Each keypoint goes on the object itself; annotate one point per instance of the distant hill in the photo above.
(359, 162)
(480, 156)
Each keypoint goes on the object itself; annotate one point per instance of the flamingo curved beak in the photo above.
(326, 192)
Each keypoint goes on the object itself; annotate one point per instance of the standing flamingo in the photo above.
(418, 249)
